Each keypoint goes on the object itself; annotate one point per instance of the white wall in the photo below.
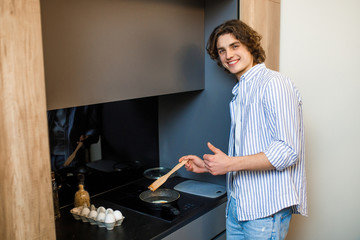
(320, 52)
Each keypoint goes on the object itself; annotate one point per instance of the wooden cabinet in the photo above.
(264, 17)
(26, 208)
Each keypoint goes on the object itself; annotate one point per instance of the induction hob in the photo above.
(128, 196)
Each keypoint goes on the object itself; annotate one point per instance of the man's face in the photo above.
(234, 56)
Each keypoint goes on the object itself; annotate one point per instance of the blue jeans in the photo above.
(274, 227)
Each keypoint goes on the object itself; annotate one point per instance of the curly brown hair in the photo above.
(242, 32)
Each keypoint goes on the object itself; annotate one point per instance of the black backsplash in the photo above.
(129, 136)
(130, 131)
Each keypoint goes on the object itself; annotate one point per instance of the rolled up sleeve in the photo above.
(283, 110)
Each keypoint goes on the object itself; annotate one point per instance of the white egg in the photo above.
(85, 212)
(93, 214)
(79, 209)
(118, 215)
(109, 218)
(109, 210)
(100, 217)
(101, 209)
(76, 211)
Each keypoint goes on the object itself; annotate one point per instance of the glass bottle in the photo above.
(81, 196)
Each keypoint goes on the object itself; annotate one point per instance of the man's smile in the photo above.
(233, 62)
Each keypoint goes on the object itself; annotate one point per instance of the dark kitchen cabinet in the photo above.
(211, 225)
(98, 51)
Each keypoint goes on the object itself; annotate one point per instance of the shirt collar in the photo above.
(248, 76)
(252, 72)
(235, 89)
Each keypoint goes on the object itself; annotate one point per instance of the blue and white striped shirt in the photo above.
(266, 116)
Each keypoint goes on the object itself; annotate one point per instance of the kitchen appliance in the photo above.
(128, 196)
(157, 172)
(162, 199)
(159, 197)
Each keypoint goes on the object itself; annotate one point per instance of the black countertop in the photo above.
(136, 225)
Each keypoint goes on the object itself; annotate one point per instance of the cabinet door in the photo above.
(98, 51)
(264, 17)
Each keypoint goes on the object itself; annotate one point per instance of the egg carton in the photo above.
(107, 218)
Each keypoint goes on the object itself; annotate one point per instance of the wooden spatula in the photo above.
(155, 185)
(72, 156)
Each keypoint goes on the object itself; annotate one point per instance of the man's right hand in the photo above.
(194, 164)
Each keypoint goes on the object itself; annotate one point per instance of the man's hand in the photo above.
(82, 139)
(194, 164)
(217, 163)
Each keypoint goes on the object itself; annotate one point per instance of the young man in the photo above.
(265, 165)
(69, 126)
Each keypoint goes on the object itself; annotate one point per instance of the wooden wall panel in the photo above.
(26, 208)
(264, 17)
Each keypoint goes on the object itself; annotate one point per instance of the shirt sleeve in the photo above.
(283, 112)
(93, 125)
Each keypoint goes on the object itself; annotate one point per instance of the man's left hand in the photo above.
(217, 163)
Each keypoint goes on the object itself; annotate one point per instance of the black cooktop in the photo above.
(128, 196)
(139, 223)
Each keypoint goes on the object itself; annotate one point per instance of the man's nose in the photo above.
(229, 54)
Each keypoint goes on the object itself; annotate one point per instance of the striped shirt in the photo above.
(266, 116)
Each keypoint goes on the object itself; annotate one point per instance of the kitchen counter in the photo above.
(136, 225)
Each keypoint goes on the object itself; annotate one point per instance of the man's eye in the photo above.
(221, 51)
(236, 46)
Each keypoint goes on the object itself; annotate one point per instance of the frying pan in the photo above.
(157, 172)
(162, 198)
